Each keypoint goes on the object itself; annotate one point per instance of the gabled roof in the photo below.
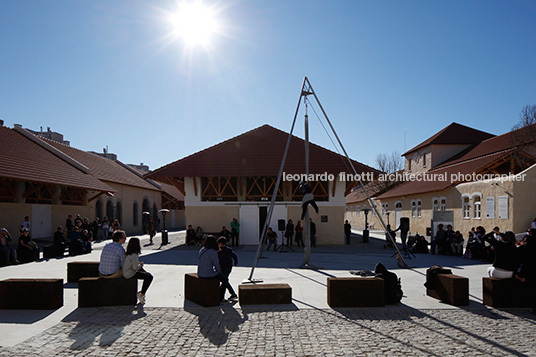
(471, 160)
(24, 159)
(102, 168)
(454, 134)
(258, 152)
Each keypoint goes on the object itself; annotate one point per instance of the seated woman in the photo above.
(28, 250)
(421, 245)
(208, 267)
(59, 242)
(506, 255)
(199, 235)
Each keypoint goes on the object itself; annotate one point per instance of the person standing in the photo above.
(299, 234)
(113, 256)
(7, 250)
(104, 227)
(26, 224)
(235, 232)
(133, 268)
(69, 225)
(95, 229)
(227, 259)
(313, 233)
(151, 229)
(347, 231)
(289, 232)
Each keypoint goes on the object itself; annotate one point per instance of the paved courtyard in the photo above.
(169, 325)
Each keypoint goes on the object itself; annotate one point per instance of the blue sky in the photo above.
(388, 73)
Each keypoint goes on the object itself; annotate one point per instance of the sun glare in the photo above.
(195, 23)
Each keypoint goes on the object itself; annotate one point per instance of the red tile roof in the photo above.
(102, 168)
(454, 134)
(258, 152)
(165, 187)
(24, 159)
(358, 195)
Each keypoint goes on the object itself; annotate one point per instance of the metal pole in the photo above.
(306, 218)
(278, 181)
(399, 256)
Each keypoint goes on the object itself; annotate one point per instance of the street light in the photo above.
(164, 231)
(366, 230)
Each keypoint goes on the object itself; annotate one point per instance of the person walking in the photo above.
(227, 259)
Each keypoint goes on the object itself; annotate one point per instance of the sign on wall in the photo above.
(503, 207)
(490, 207)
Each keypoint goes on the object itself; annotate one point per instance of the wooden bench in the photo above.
(204, 292)
(264, 294)
(356, 292)
(451, 289)
(77, 270)
(508, 293)
(49, 251)
(31, 294)
(107, 292)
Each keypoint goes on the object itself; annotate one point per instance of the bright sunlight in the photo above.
(195, 23)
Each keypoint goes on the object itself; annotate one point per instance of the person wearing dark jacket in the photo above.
(506, 255)
(227, 257)
(526, 273)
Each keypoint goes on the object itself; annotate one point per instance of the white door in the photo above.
(249, 224)
(41, 221)
(398, 214)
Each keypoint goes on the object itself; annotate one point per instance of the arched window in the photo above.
(110, 210)
(119, 212)
(135, 214)
(413, 208)
(435, 204)
(466, 208)
(443, 206)
(98, 209)
(477, 207)
(419, 208)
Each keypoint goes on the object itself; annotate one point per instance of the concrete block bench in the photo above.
(264, 294)
(49, 251)
(107, 292)
(31, 294)
(77, 270)
(356, 292)
(508, 293)
(451, 289)
(204, 292)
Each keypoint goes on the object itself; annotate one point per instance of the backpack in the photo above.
(392, 284)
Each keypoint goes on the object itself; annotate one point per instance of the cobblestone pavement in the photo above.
(285, 331)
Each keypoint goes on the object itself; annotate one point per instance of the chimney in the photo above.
(1, 122)
(17, 126)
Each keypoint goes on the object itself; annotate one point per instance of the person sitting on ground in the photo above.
(421, 244)
(28, 250)
(227, 257)
(7, 251)
(506, 255)
(190, 235)
(271, 238)
(86, 241)
(76, 246)
(59, 242)
(208, 266)
(475, 244)
(225, 233)
(199, 236)
(456, 243)
(132, 267)
(113, 256)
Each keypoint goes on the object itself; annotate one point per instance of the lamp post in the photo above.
(164, 231)
(366, 230)
(388, 224)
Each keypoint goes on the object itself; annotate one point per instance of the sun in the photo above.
(195, 23)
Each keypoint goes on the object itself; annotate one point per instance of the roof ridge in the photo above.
(41, 142)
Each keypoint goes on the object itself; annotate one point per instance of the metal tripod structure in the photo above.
(307, 90)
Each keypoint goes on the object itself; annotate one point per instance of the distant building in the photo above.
(236, 179)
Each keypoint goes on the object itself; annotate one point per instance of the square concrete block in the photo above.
(204, 292)
(31, 294)
(77, 270)
(49, 251)
(107, 292)
(451, 289)
(264, 294)
(356, 292)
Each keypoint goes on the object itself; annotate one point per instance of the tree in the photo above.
(389, 164)
(527, 117)
(524, 134)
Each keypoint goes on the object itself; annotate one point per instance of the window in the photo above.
(435, 204)
(443, 206)
(409, 164)
(466, 208)
(476, 207)
(385, 208)
(358, 210)
(418, 208)
(424, 160)
(413, 208)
